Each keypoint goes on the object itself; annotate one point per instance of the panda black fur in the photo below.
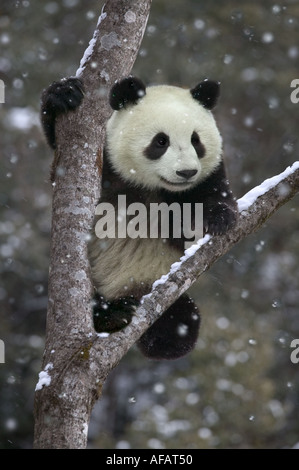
(162, 145)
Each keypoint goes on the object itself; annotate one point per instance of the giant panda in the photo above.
(162, 146)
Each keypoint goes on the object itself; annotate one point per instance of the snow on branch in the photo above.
(255, 208)
(248, 199)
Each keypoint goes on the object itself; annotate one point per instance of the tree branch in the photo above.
(255, 208)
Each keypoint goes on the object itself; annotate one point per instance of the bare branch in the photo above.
(264, 201)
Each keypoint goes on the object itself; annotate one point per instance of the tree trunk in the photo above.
(62, 409)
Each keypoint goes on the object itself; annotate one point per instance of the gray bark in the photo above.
(62, 409)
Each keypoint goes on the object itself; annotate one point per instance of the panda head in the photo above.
(163, 136)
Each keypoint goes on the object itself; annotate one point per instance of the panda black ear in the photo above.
(207, 93)
(127, 91)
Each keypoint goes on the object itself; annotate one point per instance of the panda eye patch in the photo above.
(157, 147)
(162, 139)
(198, 147)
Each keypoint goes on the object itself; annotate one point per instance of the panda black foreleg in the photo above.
(59, 98)
(112, 316)
(174, 334)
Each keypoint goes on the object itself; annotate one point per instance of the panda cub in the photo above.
(162, 146)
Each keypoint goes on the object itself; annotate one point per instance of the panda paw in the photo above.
(112, 316)
(219, 219)
(64, 95)
(59, 98)
(174, 334)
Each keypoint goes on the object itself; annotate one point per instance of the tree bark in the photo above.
(76, 360)
(62, 409)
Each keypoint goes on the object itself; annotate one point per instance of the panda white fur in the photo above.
(162, 145)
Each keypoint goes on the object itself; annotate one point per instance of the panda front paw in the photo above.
(59, 98)
(64, 95)
(219, 219)
(112, 316)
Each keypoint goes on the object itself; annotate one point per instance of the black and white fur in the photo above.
(162, 145)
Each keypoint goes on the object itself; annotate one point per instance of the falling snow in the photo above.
(248, 301)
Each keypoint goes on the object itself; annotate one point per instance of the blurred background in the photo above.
(239, 388)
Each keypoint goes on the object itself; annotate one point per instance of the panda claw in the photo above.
(220, 220)
(113, 316)
(59, 98)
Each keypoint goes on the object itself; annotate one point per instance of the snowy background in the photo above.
(239, 388)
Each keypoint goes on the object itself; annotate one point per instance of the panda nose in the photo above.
(186, 173)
